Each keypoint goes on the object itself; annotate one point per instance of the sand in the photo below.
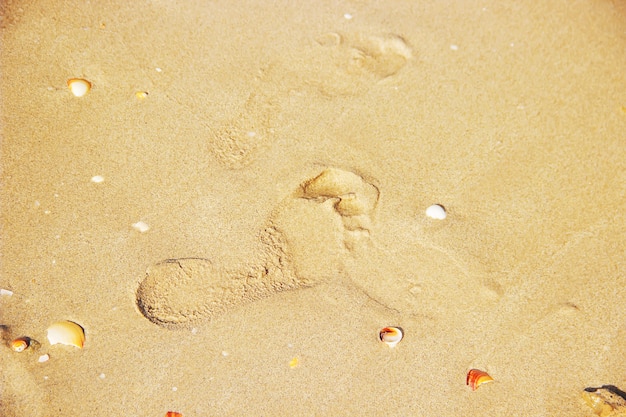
(276, 160)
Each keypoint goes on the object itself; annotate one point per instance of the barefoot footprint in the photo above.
(353, 199)
(176, 293)
(347, 64)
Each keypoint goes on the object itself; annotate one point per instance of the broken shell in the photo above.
(20, 344)
(67, 333)
(43, 358)
(391, 335)
(173, 414)
(607, 400)
(79, 86)
(476, 377)
(8, 293)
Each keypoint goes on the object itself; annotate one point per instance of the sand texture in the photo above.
(236, 207)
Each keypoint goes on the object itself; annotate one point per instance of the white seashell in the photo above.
(391, 335)
(66, 333)
(79, 86)
(141, 226)
(44, 358)
(8, 293)
(436, 211)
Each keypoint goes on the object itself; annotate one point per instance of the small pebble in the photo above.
(44, 358)
(436, 211)
(97, 179)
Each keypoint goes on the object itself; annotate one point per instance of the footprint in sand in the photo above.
(335, 206)
(345, 65)
(380, 56)
(360, 60)
(237, 139)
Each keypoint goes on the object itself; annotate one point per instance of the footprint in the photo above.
(347, 65)
(361, 60)
(238, 139)
(177, 293)
(353, 199)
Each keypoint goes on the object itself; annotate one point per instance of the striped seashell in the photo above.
(476, 377)
(391, 335)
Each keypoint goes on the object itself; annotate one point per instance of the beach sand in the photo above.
(281, 156)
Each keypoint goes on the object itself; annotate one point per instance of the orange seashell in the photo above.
(391, 335)
(173, 414)
(476, 377)
(20, 344)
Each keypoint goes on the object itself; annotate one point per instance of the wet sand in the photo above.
(282, 159)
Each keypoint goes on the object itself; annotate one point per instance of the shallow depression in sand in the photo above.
(178, 292)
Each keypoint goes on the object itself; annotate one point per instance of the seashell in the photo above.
(391, 335)
(44, 358)
(141, 227)
(79, 86)
(606, 401)
(20, 344)
(436, 211)
(293, 363)
(173, 414)
(66, 333)
(476, 377)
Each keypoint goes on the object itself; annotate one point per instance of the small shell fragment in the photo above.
(141, 227)
(476, 377)
(44, 358)
(66, 333)
(8, 293)
(606, 401)
(20, 344)
(293, 363)
(436, 211)
(173, 414)
(79, 86)
(391, 335)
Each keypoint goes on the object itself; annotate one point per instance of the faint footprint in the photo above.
(362, 59)
(238, 139)
(349, 65)
(179, 292)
